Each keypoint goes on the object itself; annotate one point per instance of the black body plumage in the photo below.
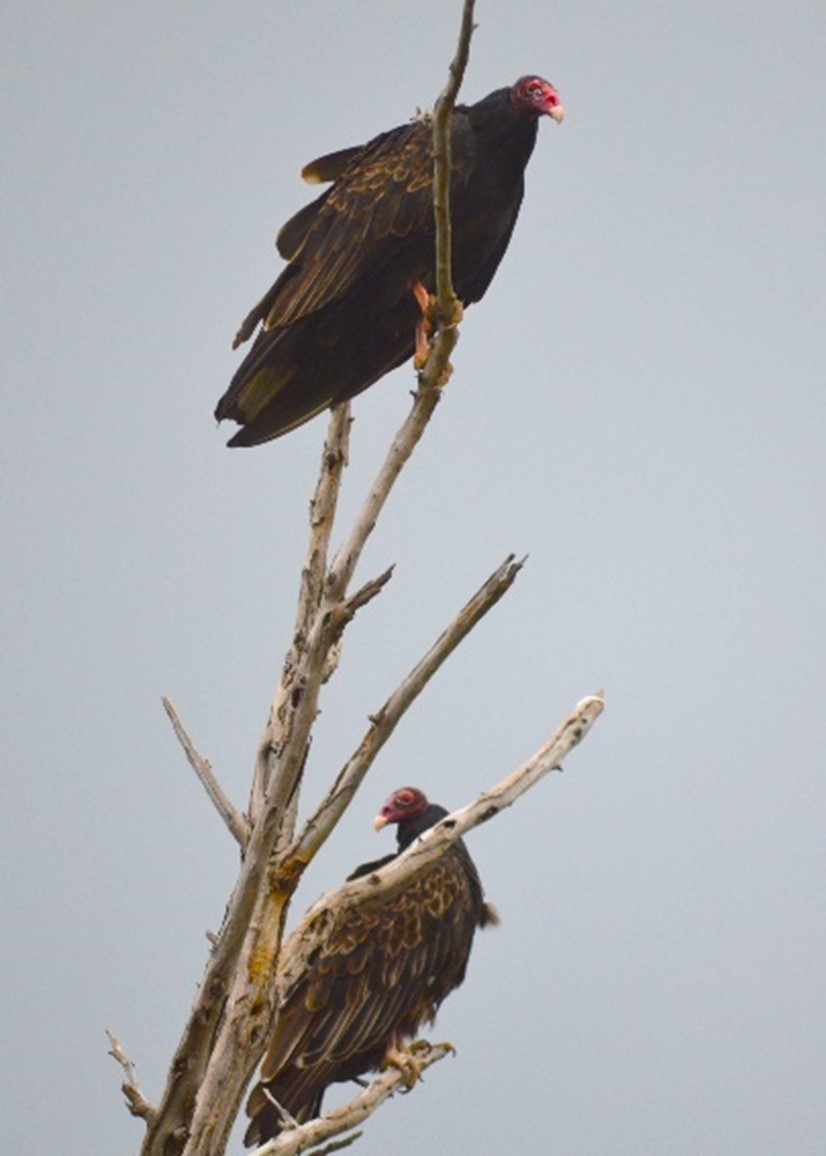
(343, 311)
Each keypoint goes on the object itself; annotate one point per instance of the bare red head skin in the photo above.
(537, 97)
(404, 804)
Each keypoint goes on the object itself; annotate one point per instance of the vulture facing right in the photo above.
(382, 971)
(361, 258)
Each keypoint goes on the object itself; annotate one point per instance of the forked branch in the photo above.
(385, 720)
(135, 1100)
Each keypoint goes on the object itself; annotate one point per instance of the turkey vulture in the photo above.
(345, 309)
(382, 970)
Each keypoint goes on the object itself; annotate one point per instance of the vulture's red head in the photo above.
(534, 96)
(405, 804)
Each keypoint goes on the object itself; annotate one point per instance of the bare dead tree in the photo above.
(231, 1017)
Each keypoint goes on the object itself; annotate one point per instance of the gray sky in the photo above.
(637, 405)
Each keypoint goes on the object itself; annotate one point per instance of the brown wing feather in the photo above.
(330, 166)
(291, 234)
(382, 195)
(317, 172)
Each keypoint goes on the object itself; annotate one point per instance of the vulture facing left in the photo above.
(382, 971)
(361, 258)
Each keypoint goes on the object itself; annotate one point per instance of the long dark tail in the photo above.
(266, 1120)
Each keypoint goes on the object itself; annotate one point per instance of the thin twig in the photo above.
(234, 820)
(136, 1102)
(445, 297)
(364, 594)
(346, 611)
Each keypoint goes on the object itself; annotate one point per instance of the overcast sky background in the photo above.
(637, 405)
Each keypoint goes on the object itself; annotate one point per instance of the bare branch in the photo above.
(384, 722)
(136, 1102)
(234, 820)
(350, 1115)
(445, 297)
(429, 846)
(365, 594)
(334, 458)
(402, 446)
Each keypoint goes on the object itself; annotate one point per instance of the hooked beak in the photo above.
(379, 822)
(557, 113)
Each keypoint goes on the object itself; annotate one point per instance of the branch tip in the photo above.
(234, 821)
(136, 1102)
